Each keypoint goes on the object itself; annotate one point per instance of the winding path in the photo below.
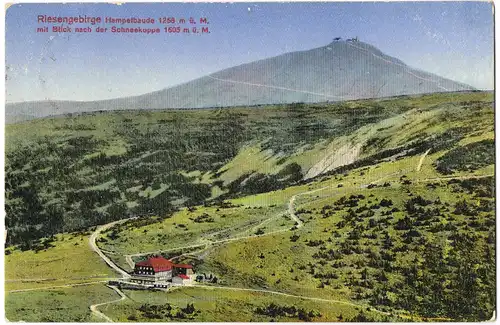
(125, 275)
(405, 67)
(95, 247)
(94, 309)
(421, 161)
(342, 302)
(293, 216)
(291, 213)
(60, 286)
(276, 87)
(131, 262)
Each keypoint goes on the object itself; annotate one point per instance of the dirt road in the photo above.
(421, 161)
(343, 302)
(59, 286)
(95, 248)
(96, 312)
(293, 216)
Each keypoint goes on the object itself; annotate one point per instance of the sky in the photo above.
(451, 39)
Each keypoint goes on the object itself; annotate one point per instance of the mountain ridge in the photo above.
(340, 70)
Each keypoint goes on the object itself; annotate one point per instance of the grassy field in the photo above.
(58, 305)
(70, 260)
(227, 306)
(361, 249)
(194, 226)
(361, 258)
(407, 226)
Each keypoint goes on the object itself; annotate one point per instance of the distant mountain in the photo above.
(339, 71)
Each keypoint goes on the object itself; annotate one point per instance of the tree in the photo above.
(189, 309)
(117, 211)
(472, 290)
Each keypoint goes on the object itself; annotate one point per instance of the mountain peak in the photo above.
(345, 69)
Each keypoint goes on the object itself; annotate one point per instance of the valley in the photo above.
(364, 210)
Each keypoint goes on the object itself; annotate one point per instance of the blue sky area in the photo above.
(452, 39)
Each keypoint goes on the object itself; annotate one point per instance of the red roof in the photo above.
(183, 276)
(159, 264)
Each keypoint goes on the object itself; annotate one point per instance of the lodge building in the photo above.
(159, 272)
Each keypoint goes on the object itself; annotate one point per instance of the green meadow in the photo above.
(396, 201)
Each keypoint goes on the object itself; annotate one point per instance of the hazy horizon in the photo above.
(452, 40)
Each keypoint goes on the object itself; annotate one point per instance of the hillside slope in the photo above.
(65, 174)
(406, 232)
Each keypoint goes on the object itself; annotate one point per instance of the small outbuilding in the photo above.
(181, 279)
